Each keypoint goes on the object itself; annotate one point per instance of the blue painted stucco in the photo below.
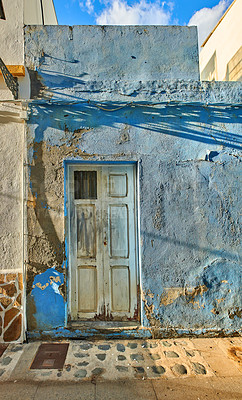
(185, 137)
(49, 304)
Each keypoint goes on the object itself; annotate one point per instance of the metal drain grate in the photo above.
(50, 356)
(3, 348)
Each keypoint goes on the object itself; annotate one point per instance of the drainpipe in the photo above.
(42, 11)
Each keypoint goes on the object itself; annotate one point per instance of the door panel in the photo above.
(120, 289)
(118, 230)
(102, 242)
(86, 230)
(87, 289)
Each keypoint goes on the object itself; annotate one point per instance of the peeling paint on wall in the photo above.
(46, 305)
(190, 162)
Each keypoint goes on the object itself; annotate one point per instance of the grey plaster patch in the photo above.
(190, 353)
(98, 371)
(101, 357)
(2, 371)
(120, 347)
(159, 370)
(104, 346)
(81, 355)
(83, 364)
(199, 369)
(121, 357)
(132, 345)
(137, 357)
(155, 356)
(81, 373)
(171, 354)
(6, 360)
(86, 346)
(121, 368)
(17, 348)
(166, 344)
(179, 369)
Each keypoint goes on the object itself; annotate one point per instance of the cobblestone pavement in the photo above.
(136, 359)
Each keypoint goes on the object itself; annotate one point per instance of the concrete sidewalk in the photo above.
(140, 369)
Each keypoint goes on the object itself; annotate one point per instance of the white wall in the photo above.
(226, 40)
(33, 12)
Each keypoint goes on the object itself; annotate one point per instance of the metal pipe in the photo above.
(42, 11)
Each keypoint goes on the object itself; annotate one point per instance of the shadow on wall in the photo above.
(54, 129)
(208, 125)
(205, 124)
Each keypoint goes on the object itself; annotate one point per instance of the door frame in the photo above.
(70, 163)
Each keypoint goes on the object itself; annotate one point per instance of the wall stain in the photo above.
(237, 312)
(235, 353)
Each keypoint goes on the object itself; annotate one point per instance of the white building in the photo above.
(14, 89)
(221, 54)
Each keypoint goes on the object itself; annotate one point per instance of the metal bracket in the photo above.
(10, 80)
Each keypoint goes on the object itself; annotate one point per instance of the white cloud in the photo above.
(87, 6)
(140, 13)
(207, 18)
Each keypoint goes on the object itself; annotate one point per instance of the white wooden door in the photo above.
(102, 242)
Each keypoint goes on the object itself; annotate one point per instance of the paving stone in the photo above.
(145, 345)
(86, 346)
(83, 364)
(155, 356)
(81, 355)
(59, 374)
(101, 357)
(68, 368)
(98, 371)
(120, 347)
(121, 368)
(137, 357)
(6, 360)
(153, 345)
(179, 369)
(171, 354)
(158, 369)
(166, 344)
(121, 357)
(2, 371)
(132, 345)
(139, 370)
(81, 373)
(17, 348)
(190, 353)
(104, 346)
(199, 369)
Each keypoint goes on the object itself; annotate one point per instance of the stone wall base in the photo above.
(11, 307)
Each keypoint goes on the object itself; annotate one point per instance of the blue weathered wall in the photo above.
(186, 137)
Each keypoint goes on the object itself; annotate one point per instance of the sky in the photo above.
(203, 13)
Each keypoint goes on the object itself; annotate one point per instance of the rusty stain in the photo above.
(170, 295)
(219, 300)
(235, 353)
(31, 202)
(237, 312)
